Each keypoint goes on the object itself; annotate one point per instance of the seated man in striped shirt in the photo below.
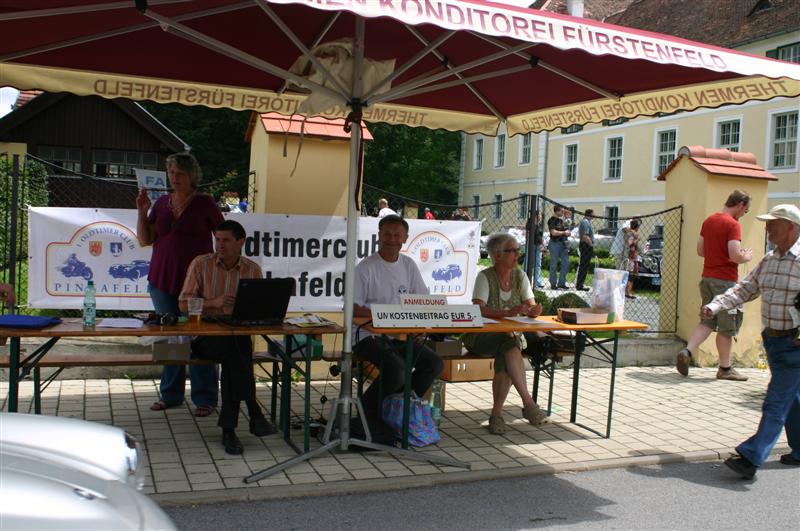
(214, 277)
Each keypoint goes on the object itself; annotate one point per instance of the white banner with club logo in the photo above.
(69, 246)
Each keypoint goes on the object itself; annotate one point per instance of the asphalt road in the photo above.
(703, 496)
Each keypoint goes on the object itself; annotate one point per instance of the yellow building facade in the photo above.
(300, 174)
(613, 167)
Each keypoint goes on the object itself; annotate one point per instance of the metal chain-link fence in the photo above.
(652, 260)
(654, 283)
(658, 234)
(37, 182)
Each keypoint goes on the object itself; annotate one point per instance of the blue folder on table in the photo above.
(27, 321)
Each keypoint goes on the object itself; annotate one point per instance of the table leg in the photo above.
(308, 351)
(580, 344)
(13, 374)
(407, 388)
(613, 379)
(286, 397)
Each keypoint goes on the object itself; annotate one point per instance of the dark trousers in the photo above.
(237, 383)
(586, 251)
(427, 366)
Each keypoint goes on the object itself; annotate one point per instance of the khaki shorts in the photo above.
(491, 345)
(726, 322)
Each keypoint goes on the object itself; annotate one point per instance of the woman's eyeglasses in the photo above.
(512, 250)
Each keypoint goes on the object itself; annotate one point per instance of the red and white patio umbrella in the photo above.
(464, 65)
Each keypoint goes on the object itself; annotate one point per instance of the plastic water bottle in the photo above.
(436, 401)
(89, 305)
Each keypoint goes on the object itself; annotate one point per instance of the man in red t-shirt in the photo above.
(720, 244)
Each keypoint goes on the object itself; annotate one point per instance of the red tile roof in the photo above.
(728, 23)
(719, 161)
(25, 96)
(594, 9)
(317, 126)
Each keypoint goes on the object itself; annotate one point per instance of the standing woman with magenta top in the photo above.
(180, 226)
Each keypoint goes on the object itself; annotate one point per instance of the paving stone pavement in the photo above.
(659, 416)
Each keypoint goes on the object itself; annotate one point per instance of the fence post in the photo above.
(12, 266)
(530, 237)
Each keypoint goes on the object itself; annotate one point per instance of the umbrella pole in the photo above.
(341, 408)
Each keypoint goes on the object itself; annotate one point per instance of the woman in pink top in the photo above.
(180, 226)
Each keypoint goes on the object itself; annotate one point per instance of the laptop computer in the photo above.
(259, 302)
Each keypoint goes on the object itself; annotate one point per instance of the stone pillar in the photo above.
(701, 179)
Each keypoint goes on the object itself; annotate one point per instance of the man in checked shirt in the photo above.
(215, 277)
(777, 280)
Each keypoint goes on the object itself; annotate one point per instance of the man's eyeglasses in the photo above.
(512, 250)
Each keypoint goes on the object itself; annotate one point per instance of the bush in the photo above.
(567, 300)
(32, 191)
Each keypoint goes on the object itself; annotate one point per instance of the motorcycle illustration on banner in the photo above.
(106, 252)
(72, 267)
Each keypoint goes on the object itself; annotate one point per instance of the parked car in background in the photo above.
(516, 232)
(63, 473)
(602, 239)
(652, 257)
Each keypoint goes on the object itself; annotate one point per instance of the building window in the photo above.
(614, 159)
(476, 207)
(500, 151)
(790, 53)
(63, 160)
(666, 144)
(498, 206)
(114, 164)
(728, 134)
(525, 149)
(618, 121)
(570, 175)
(612, 217)
(574, 128)
(783, 153)
(523, 205)
(477, 156)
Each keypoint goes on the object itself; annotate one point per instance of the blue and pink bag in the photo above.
(422, 430)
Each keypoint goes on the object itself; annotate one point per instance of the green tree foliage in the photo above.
(31, 190)
(414, 162)
(217, 140)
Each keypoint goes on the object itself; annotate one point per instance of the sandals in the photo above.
(535, 415)
(160, 405)
(497, 426)
(203, 411)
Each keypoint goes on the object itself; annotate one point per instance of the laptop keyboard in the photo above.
(229, 320)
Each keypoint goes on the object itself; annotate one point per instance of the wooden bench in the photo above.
(94, 359)
(543, 361)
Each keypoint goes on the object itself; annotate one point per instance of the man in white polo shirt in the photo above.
(383, 278)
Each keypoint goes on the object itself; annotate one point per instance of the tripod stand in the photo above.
(341, 409)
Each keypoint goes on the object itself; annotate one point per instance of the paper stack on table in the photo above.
(309, 320)
(119, 322)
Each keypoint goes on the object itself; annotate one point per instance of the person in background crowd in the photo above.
(559, 257)
(384, 210)
(504, 290)
(214, 277)
(585, 247)
(538, 248)
(720, 245)
(568, 219)
(180, 227)
(777, 280)
(631, 251)
(461, 214)
(429, 214)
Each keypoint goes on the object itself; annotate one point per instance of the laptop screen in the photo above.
(262, 298)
